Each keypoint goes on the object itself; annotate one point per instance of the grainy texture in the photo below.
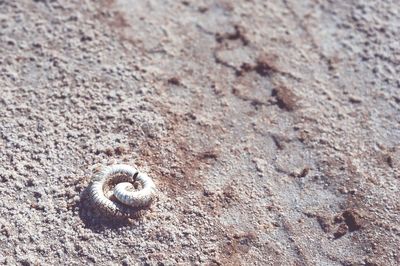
(271, 129)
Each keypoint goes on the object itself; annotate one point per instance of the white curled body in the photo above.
(127, 203)
(141, 198)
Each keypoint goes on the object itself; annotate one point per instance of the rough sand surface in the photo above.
(271, 129)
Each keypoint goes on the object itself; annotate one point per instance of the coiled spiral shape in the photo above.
(111, 190)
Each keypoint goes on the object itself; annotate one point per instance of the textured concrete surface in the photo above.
(271, 129)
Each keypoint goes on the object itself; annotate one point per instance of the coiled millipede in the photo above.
(112, 191)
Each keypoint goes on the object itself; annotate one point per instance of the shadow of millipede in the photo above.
(98, 220)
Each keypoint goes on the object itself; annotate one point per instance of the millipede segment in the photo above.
(112, 190)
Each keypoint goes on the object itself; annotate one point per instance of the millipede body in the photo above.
(111, 191)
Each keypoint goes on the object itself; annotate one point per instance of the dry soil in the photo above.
(271, 129)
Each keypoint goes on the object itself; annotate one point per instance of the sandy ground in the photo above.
(271, 129)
